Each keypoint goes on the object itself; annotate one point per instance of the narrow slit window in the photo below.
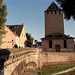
(59, 12)
(65, 44)
(50, 43)
(55, 12)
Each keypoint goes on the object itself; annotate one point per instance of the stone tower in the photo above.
(55, 40)
(53, 20)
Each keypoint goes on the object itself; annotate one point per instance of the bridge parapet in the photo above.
(16, 58)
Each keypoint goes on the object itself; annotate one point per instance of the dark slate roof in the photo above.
(16, 29)
(57, 36)
(53, 7)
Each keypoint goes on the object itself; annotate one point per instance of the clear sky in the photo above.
(31, 14)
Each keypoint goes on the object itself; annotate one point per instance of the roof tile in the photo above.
(16, 29)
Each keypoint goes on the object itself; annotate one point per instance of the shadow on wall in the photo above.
(4, 55)
(23, 68)
(20, 69)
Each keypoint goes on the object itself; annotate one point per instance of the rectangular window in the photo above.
(59, 12)
(65, 44)
(50, 43)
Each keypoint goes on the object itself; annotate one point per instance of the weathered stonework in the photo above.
(54, 23)
(70, 45)
(55, 39)
(35, 59)
(10, 39)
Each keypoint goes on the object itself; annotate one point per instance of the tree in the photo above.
(29, 40)
(3, 14)
(68, 7)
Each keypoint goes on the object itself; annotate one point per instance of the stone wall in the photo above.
(35, 58)
(17, 61)
(70, 44)
(54, 23)
(23, 38)
(7, 40)
(48, 58)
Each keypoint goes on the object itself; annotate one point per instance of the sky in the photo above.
(31, 14)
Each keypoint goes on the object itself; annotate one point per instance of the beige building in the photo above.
(55, 39)
(15, 36)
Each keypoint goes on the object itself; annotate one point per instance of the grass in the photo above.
(50, 69)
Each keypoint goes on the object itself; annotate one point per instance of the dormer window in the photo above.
(56, 7)
(50, 7)
(47, 12)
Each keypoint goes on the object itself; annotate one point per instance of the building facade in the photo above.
(55, 39)
(15, 36)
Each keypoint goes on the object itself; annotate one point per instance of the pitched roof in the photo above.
(58, 36)
(16, 29)
(52, 7)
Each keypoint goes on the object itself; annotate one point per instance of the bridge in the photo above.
(28, 59)
(15, 63)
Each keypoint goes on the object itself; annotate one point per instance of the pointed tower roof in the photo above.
(53, 7)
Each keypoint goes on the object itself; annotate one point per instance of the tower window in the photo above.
(56, 7)
(51, 12)
(65, 44)
(47, 12)
(55, 12)
(50, 43)
(59, 12)
(50, 7)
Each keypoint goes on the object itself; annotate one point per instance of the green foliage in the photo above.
(68, 6)
(29, 40)
(3, 14)
(50, 69)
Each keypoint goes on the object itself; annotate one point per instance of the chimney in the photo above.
(68, 35)
(22, 24)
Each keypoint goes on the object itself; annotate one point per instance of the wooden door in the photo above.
(57, 47)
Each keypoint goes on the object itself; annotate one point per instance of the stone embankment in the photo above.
(70, 71)
(30, 58)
